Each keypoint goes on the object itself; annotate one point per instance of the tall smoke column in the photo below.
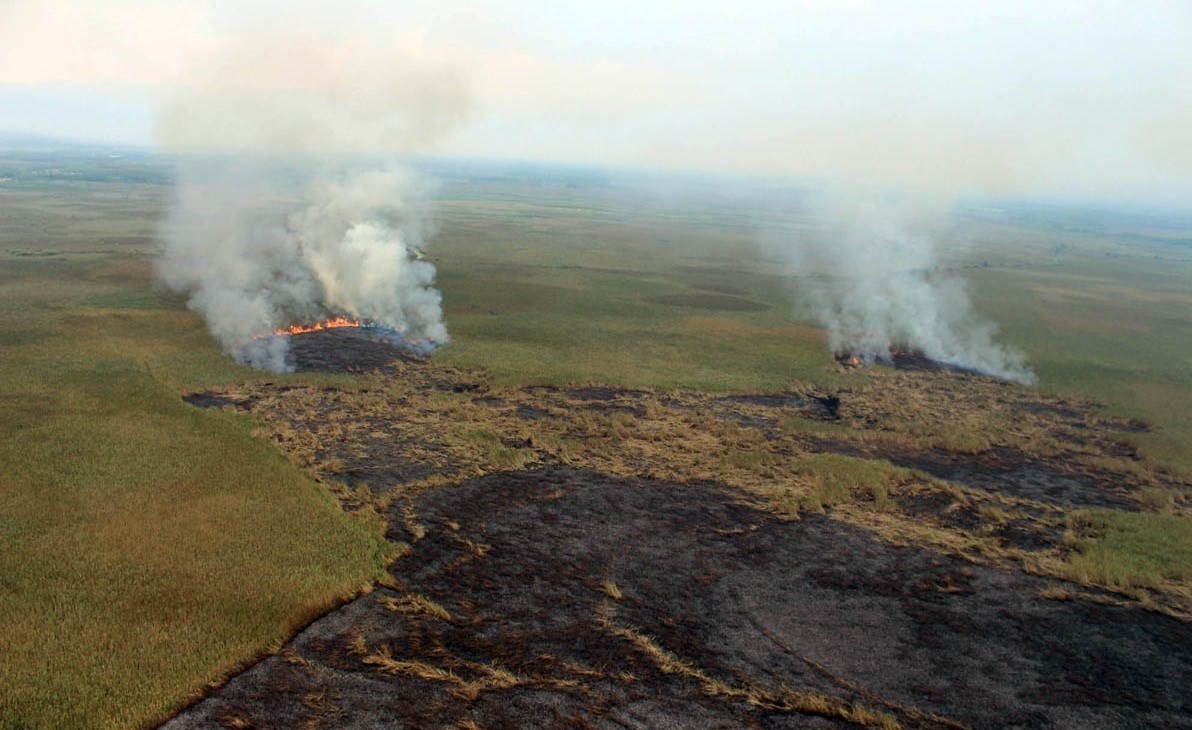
(292, 204)
(872, 280)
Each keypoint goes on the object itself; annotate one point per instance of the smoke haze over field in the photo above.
(291, 204)
(872, 280)
(1070, 99)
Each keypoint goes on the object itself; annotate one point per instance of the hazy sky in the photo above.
(1070, 97)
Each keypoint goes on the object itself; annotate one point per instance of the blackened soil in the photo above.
(918, 361)
(1003, 471)
(575, 599)
(601, 393)
(764, 411)
(942, 508)
(343, 350)
(1042, 484)
(381, 476)
(1007, 471)
(905, 361)
(769, 400)
(215, 400)
(530, 413)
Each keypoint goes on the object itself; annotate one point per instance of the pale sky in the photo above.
(1070, 97)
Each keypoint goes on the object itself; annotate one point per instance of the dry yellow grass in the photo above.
(612, 590)
(418, 604)
(781, 699)
(466, 679)
(383, 659)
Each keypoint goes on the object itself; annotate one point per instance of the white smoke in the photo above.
(292, 204)
(873, 280)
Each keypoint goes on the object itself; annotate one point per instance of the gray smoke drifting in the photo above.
(872, 280)
(292, 205)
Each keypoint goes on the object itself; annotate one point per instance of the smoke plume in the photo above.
(292, 204)
(872, 279)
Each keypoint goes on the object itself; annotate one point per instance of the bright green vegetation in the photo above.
(504, 457)
(1130, 550)
(1103, 318)
(146, 547)
(838, 479)
(553, 293)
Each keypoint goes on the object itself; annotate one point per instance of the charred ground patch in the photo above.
(1002, 470)
(343, 350)
(560, 597)
(901, 360)
(215, 400)
(599, 557)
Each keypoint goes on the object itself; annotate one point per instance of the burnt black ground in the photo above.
(1003, 471)
(906, 361)
(518, 559)
(213, 400)
(343, 350)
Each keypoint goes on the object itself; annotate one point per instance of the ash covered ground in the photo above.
(601, 557)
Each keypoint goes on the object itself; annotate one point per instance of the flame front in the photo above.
(332, 323)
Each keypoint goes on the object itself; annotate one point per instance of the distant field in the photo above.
(647, 288)
(1102, 317)
(146, 548)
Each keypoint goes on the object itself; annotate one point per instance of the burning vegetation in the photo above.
(342, 344)
(327, 324)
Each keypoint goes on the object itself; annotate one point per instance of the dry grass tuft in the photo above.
(383, 659)
(1056, 593)
(783, 699)
(1158, 499)
(417, 604)
(485, 677)
(295, 659)
(612, 590)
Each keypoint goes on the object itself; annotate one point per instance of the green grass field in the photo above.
(147, 548)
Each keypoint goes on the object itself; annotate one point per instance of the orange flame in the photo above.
(332, 323)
